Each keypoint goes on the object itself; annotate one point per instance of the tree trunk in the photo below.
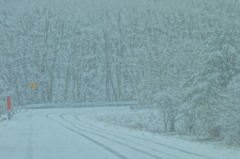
(172, 125)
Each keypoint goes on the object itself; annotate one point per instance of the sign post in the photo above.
(32, 85)
(9, 107)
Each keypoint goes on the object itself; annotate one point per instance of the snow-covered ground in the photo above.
(76, 133)
(143, 119)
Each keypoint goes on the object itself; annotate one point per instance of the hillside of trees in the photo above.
(180, 56)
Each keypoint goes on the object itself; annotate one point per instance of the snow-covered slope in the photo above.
(75, 133)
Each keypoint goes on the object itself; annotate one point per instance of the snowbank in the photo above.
(148, 120)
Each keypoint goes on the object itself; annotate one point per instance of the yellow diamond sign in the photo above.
(32, 85)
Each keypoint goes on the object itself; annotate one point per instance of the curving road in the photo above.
(74, 134)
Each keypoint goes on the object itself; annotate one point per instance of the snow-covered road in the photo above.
(75, 134)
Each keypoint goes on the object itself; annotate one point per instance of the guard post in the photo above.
(9, 107)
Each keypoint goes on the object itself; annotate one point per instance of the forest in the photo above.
(181, 57)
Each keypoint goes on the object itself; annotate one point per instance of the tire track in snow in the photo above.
(149, 141)
(119, 155)
(115, 141)
(127, 140)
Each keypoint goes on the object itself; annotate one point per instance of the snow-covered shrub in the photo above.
(230, 119)
(149, 120)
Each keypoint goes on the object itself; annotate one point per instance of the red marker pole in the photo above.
(9, 106)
